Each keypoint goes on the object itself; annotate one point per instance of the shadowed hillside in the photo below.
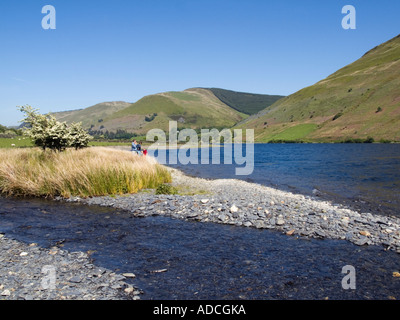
(248, 103)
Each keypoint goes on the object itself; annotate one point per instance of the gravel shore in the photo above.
(28, 272)
(246, 204)
(25, 269)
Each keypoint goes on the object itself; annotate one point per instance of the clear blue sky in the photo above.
(126, 49)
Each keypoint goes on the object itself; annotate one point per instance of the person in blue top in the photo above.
(134, 146)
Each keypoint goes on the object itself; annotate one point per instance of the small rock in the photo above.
(222, 217)
(320, 233)
(158, 271)
(116, 286)
(6, 293)
(365, 233)
(316, 192)
(258, 224)
(129, 275)
(349, 236)
(204, 201)
(362, 241)
(289, 233)
(234, 209)
(75, 279)
(129, 290)
(396, 274)
(235, 215)
(23, 254)
(280, 222)
(119, 277)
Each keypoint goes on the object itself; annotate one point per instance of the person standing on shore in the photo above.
(139, 148)
(134, 146)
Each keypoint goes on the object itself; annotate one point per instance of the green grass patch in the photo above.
(298, 132)
(149, 104)
(185, 96)
(17, 142)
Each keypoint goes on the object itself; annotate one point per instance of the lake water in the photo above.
(365, 176)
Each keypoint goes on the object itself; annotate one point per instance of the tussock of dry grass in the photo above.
(87, 172)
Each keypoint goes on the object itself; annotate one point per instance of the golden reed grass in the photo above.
(92, 171)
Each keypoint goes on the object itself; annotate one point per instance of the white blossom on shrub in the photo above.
(46, 132)
(77, 136)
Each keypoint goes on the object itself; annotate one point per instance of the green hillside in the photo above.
(358, 101)
(248, 103)
(193, 108)
(93, 115)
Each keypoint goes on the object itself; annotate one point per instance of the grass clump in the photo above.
(166, 189)
(87, 172)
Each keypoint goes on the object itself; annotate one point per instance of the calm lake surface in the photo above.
(365, 176)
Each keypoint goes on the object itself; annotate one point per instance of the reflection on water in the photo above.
(204, 260)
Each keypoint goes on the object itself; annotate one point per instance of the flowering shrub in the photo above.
(46, 132)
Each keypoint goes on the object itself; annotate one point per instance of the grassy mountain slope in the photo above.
(358, 101)
(248, 103)
(193, 108)
(92, 115)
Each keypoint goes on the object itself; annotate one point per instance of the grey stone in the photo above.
(75, 279)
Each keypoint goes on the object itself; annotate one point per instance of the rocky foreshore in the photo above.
(246, 204)
(29, 272)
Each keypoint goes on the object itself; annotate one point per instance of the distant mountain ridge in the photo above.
(192, 108)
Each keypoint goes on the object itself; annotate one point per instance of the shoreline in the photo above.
(241, 203)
